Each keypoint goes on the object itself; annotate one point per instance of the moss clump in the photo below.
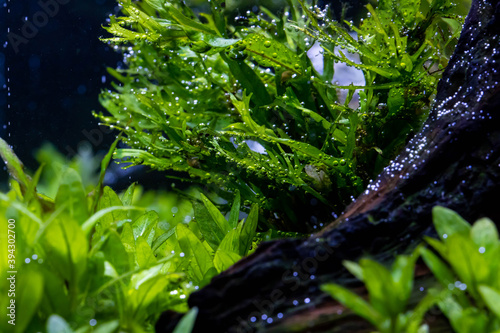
(241, 107)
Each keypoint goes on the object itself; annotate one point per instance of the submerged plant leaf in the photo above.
(71, 196)
(186, 324)
(353, 302)
(447, 222)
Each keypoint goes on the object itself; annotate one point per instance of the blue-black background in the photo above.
(55, 77)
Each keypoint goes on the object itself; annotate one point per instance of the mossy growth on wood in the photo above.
(240, 107)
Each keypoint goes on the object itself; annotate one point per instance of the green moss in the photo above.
(197, 93)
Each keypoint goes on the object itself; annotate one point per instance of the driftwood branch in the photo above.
(454, 162)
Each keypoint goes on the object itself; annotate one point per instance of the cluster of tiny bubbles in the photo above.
(458, 284)
(33, 258)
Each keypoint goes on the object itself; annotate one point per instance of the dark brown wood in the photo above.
(454, 162)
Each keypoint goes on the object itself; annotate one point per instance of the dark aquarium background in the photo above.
(52, 68)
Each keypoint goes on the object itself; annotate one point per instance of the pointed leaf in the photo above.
(116, 253)
(145, 225)
(379, 283)
(72, 196)
(447, 222)
(216, 214)
(127, 238)
(249, 230)
(484, 233)
(28, 296)
(65, 248)
(200, 259)
(186, 324)
(14, 164)
(143, 253)
(354, 268)
(492, 299)
(224, 259)
(207, 226)
(128, 196)
(353, 302)
(235, 211)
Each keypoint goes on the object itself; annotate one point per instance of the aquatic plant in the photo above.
(237, 105)
(88, 259)
(465, 287)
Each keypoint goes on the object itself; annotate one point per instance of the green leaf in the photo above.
(29, 293)
(225, 259)
(91, 221)
(200, 259)
(143, 253)
(127, 237)
(186, 323)
(104, 165)
(447, 222)
(144, 293)
(466, 320)
(162, 239)
(115, 252)
(208, 228)
(440, 270)
(71, 196)
(66, 247)
(249, 230)
(379, 283)
(216, 215)
(128, 196)
(53, 301)
(270, 53)
(353, 302)
(418, 313)
(355, 269)
(402, 275)
(231, 242)
(145, 225)
(107, 327)
(235, 211)
(57, 324)
(157, 5)
(14, 164)
(492, 299)
(109, 199)
(211, 222)
(186, 22)
(249, 80)
(395, 101)
(484, 233)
